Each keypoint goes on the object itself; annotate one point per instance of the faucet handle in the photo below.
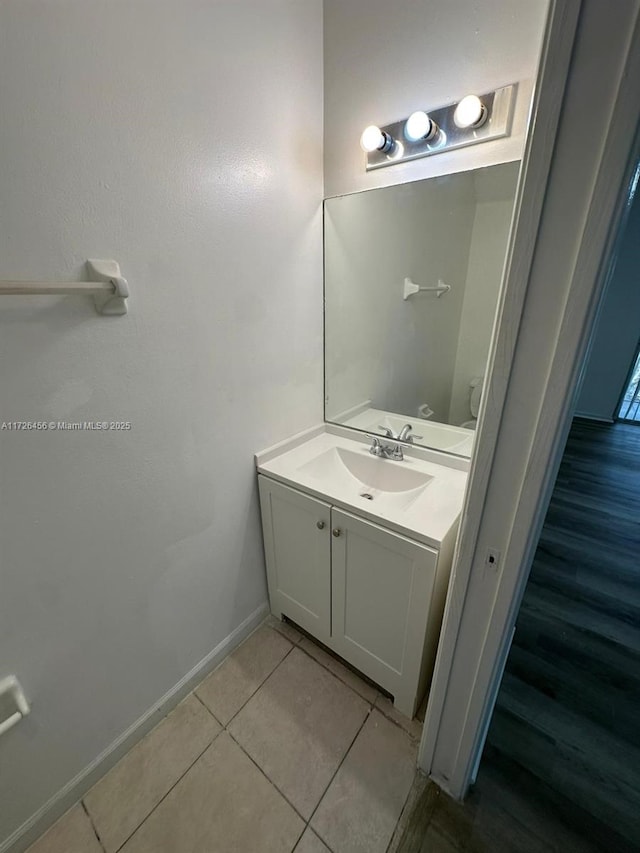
(413, 437)
(388, 432)
(376, 447)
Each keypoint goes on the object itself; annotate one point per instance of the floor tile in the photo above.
(71, 834)
(227, 689)
(298, 727)
(361, 808)
(412, 727)
(310, 843)
(285, 628)
(223, 804)
(122, 799)
(341, 671)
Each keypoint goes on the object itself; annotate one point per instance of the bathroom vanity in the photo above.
(358, 542)
(359, 548)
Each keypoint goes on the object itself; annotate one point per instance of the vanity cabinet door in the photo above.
(297, 541)
(382, 592)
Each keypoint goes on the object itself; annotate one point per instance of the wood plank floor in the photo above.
(561, 768)
(568, 711)
(508, 811)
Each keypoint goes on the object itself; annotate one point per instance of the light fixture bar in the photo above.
(499, 107)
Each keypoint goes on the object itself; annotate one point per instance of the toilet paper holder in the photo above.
(10, 687)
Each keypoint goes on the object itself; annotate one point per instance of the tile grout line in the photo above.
(307, 823)
(397, 724)
(164, 797)
(262, 624)
(262, 683)
(370, 704)
(335, 675)
(310, 829)
(344, 758)
(93, 827)
(373, 704)
(207, 709)
(198, 757)
(270, 781)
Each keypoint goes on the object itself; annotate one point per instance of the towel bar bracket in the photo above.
(10, 687)
(113, 303)
(109, 289)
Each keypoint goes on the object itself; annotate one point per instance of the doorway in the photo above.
(629, 410)
(566, 713)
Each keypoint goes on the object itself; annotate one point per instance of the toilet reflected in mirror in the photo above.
(412, 280)
(475, 396)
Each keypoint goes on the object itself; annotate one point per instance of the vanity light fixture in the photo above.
(420, 126)
(473, 119)
(374, 139)
(470, 112)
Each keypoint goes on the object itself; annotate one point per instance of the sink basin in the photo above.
(368, 478)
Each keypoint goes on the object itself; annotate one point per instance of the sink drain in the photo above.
(367, 496)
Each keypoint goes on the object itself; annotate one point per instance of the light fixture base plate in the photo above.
(499, 105)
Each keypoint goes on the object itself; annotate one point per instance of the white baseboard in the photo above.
(74, 790)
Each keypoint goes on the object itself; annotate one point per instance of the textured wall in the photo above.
(185, 142)
(384, 61)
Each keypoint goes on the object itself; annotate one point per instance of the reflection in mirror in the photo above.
(396, 355)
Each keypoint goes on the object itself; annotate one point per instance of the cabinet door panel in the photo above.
(382, 589)
(298, 556)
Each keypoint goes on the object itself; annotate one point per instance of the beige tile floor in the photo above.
(281, 748)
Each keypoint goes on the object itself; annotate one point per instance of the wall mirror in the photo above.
(412, 278)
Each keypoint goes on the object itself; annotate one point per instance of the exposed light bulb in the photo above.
(420, 126)
(374, 139)
(470, 112)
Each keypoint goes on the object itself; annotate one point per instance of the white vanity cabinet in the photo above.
(373, 596)
(297, 544)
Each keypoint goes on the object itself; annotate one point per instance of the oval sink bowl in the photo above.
(359, 474)
(383, 474)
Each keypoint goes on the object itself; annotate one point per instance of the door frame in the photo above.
(482, 604)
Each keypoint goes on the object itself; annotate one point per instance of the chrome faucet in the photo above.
(385, 450)
(405, 434)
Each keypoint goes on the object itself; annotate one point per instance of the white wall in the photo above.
(397, 354)
(615, 342)
(382, 61)
(494, 192)
(127, 557)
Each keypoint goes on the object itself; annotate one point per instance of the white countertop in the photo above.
(426, 513)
